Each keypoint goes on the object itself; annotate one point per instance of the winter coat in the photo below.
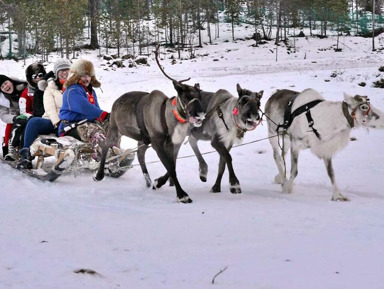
(53, 100)
(26, 101)
(78, 105)
(38, 103)
(8, 109)
(9, 104)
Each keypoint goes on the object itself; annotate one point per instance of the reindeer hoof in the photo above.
(215, 189)
(158, 183)
(287, 187)
(278, 179)
(203, 171)
(155, 185)
(235, 189)
(340, 198)
(96, 178)
(184, 200)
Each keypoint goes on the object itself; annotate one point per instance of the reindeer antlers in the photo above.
(161, 68)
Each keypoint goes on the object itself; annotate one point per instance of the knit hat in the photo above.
(3, 79)
(60, 64)
(80, 68)
(34, 69)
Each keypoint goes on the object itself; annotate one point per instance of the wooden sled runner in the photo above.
(57, 155)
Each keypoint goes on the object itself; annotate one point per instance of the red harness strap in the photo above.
(175, 112)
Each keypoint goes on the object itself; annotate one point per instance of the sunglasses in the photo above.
(37, 75)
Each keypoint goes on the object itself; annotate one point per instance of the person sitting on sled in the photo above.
(81, 116)
(53, 88)
(10, 91)
(34, 73)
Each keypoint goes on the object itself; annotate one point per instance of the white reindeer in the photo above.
(325, 129)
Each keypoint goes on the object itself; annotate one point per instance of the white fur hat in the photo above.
(80, 68)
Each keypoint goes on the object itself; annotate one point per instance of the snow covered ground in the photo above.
(134, 237)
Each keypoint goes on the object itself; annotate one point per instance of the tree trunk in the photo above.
(278, 24)
(94, 11)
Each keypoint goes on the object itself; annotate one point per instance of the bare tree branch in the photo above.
(221, 271)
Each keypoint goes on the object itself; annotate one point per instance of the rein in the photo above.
(352, 117)
(235, 113)
(176, 111)
(205, 153)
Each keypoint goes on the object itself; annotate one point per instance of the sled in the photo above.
(54, 156)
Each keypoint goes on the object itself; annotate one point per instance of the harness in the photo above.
(163, 120)
(181, 118)
(240, 131)
(176, 112)
(351, 117)
(289, 115)
(140, 121)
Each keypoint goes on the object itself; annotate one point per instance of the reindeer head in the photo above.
(189, 103)
(188, 98)
(247, 108)
(363, 113)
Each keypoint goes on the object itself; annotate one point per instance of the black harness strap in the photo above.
(310, 123)
(289, 116)
(163, 118)
(347, 115)
(221, 116)
(140, 121)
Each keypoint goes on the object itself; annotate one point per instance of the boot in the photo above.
(5, 151)
(11, 155)
(26, 160)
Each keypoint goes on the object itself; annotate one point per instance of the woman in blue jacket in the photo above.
(81, 116)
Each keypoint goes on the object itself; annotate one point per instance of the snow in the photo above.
(134, 237)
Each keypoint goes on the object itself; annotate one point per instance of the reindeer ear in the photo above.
(197, 86)
(259, 95)
(178, 86)
(239, 90)
(349, 99)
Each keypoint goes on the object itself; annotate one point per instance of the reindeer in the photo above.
(153, 118)
(309, 121)
(227, 120)
(237, 115)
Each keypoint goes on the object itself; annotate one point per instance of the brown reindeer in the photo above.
(153, 118)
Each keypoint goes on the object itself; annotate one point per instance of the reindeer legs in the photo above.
(279, 156)
(288, 184)
(166, 156)
(225, 158)
(336, 196)
(203, 167)
(141, 158)
(162, 180)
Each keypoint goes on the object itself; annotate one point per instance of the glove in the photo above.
(42, 84)
(21, 87)
(20, 117)
(49, 76)
(57, 124)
